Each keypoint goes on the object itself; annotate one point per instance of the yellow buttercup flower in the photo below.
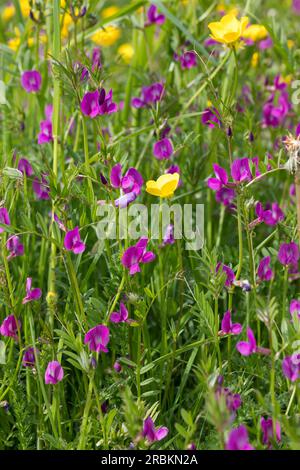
(8, 12)
(25, 7)
(255, 32)
(290, 43)
(229, 30)
(109, 11)
(68, 20)
(254, 59)
(164, 186)
(107, 36)
(126, 51)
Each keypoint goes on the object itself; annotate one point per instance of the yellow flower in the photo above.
(254, 59)
(287, 79)
(255, 32)
(8, 12)
(107, 36)
(25, 7)
(290, 43)
(109, 11)
(126, 51)
(66, 24)
(221, 8)
(164, 186)
(229, 29)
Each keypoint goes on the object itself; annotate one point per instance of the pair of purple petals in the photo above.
(31, 81)
(97, 338)
(15, 247)
(153, 17)
(151, 433)
(227, 327)
(163, 149)
(97, 103)
(41, 188)
(149, 96)
(4, 218)
(10, 327)
(291, 367)
(264, 270)
(136, 255)
(288, 254)
(73, 242)
(31, 293)
(54, 373)
(121, 316)
(270, 216)
(45, 135)
(131, 184)
(188, 60)
(247, 348)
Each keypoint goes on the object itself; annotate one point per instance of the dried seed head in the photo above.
(292, 146)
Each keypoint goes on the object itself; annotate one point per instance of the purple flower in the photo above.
(72, 241)
(49, 112)
(10, 327)
(163, 149)
(275, 109)
(150, 95)
(221, 178)
(225, 196)
(121, 316)
(230, 276)
(28, 359)
(264, 270)
(4, 218)
(97, 103)
(45, 136)
(211, 117)
(268, 432)
(153, 17)
(291, 367)
(233, 400)
(130, 184)
(270, 216)
(137, 254)
(151, 433)
(247, 348)
(117, 367)
(227, 327)
(54, 373)
(296, 6)
(238, 439)
(41, 187)
(240, 170)
(15, 247)
(31, 294)
(295, 308)
(96, 59)
(174, 169)
(169, 235)
(265, 44)
(31, 81)
(188, 60)
(288, 253)
(97, 338)
(25, 167)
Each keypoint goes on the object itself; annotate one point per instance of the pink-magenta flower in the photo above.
(97, 103)
(117, 367)
(227, 327)
(4, 218)
(15, 247)
(268, 431)
(226, 197)
(168, 238)
(220, 180)
(97, 338)
(10, 327)
(151, 433)
(45, 136)
(28, 359)
(31, 294)
(246, 348)
(211, 118)
(25, 167)
(238, 439)
(163, 149)
(136, 255)
(121, 316)
(149, 96)
(230, 276)
(233, 400)
(41, 188)
(271, 216)
(130, 184)
(291, 367)
(153, 17)
(73, 242)
(295, 308)
(288, 253)
(54, 373)
(31, 81)
(187, 59)
(264, 270)
(240, 170)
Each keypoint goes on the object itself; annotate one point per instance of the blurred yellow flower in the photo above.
(229, 29)
(15, 42)
(109, 11)
(164, 186)
(107, 36)
(254, 59)
(290, 43)
(255, 32)
(287, 79)
(67, 21)
(126, 51)
(230, 10)
(25, 7)
(8, 12)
